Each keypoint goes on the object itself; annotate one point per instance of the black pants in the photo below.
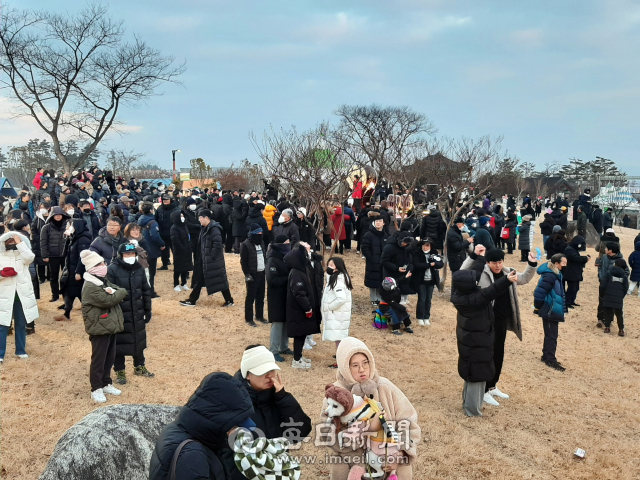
(600, 307)
(236, 243)
(550, 340)
(194, 246)
(357, 204)
(165, 254)
(509, 248)
(54, 271)
(103, 354)
(198, 284)
(228, 242)
(572, 292)
(179, 278)
(349, 231)
(423, 308)
(608, 317)
(42, 273)
(68, 302)
(153, 266)
(255, 294)
(298, 343)
(118, 364)
(523, 255)
(500, 331)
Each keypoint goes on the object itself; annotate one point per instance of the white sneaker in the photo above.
(177, 288)
(98, 396)
(426, 322)
(24, 355)
(310, 341)
(300, 364)
(306, 360)
(488, 398)
(307, 347)
(497, 393)
(421, 322)
(111, 390)
(185, 288)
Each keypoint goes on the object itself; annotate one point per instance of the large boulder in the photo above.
(111, 443)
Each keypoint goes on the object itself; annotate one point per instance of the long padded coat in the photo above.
(136, 307)
(393, 257)
(373, 242)
(615, 285)
(19, 284)
(474, 329)
(211, 256)
(180, 244)
(79, 241)
(336, 310)
(277, 274)
(575, 262)
(301, 296)
(239, 215)
(433, 227)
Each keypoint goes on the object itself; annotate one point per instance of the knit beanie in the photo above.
(189, 201)
(255, 229)
(494, 255)
(341, 395)
(90, 259)
(556, 228)
(280, 239)
(258, 361)
(483, 221)
(526, 218)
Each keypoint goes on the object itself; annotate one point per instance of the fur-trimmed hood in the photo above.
(6, 236)
(548, 267)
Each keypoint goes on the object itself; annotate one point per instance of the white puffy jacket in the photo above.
(20, 260)
(336, 310)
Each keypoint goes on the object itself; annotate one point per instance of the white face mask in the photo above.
(281, 219)
(182, 219)
(44, 211)
(194, 196)
(71, 211)
(192, 207)
(130, 260)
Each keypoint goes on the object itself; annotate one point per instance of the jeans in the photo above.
(423, 309)
(118, 364)
(550, 340)
(255, 294)
(279, 341)
(600, 312)
(544, 240)
(19, 328)
(572, 292)
(374, 295)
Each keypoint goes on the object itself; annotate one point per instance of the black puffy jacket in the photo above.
(301, 296)
(615, 285)
(393, 257)
(575, 262)
(555, 245)
(210, 255)
(180, 244)
(456, 248)
(255, 216)
(249, 257)
(163, 217)
(239, 215)
(79, 241)
(433, 227)
(219, 403)
(277, 275)
(192, 223)
(307, 233)
(546, 227)
(474, 329)
(36, 228)
(136, 307)
(277, 412)
(107, 246)
(373, 242)
(52, 240)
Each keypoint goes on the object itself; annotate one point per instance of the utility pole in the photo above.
(173, 152)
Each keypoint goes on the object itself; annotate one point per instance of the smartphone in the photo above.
(405, 265)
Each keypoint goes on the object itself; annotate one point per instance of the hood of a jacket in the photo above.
(338, 211)
(296, 259)
(80, 229)
(637, 247)
(548, 268)
(618, 272)
(270, 209)
(372, 228)
(464, 281)
(57, 211)
(237, 203)
(219, 403)
(276, 251)
(401, 236)
(143, 221)
(124, 265)
(175, 218)
(348, 348)
(576, 241)
(6, 236)
(227, 200)
(255, 212)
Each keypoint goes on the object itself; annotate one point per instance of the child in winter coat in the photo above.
(391, 307)
(182, 253)
(336, 303)
(615, 286)
(634, 264)
(102, 320)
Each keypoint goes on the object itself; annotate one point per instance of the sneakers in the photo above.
(555, 365)
(263, 320)
(621, 333)
(1, 360)
(185, 288)
(177, 288)
(600, 324)
(164, 267)
(488, 399)
(251, 323)
(55, 298)
(307, 347)
(121, 377)
(426, 322)
(310, 341)
(111, 390)
(278, 357)
(408, 329)
(300, 364)
(98, 396)
(497, 393)
(142, 371)
(22, 355)
(607, 330)
(421, 322)
(31, 329)
(396, 332)
(228, 304)
(288, 351)
(187, 303)
(305, 360)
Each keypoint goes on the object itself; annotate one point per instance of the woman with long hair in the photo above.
(336, 303)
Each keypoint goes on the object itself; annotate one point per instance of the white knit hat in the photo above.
(258, 361)
(90, 259)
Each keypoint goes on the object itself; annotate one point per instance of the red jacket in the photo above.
(336, 218)
(37, 180)
(357, 190)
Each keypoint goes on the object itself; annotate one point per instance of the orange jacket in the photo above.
(269, 212)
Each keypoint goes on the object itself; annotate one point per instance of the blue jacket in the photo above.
(349, 211)
(548, 297)
(151, 233)
(634, 264)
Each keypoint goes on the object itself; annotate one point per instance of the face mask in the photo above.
(13, 246)
(256, 239)
(71, 211)
(98, 271)
(44, 211)
(330, 271)
(281, 219)
(194, 196)
(130, 260)
(87, 210)
(182, 219)
(192, 207)
(284, 247)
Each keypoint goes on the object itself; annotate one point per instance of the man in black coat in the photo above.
(286, 226)
(238, 228)
(373, 241)
(252, 261)
(255, 217)
(209, 268)
(277, 276)
(227, 235)
(191, 221)
(456, 245)
(219, 404)
(475, 332)
(126, 272)
(306, 230)
(163, 217)
(90, 218)
(433, 227)
(182, 251)
(572, 273)
(52, 244)
(276, 410)
(397, 261)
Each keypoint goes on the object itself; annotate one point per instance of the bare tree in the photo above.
(202, 173)
(122, 163)
(307, 165)
(72, 73)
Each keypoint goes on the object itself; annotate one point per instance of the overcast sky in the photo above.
(557, 79)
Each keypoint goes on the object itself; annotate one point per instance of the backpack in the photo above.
(506, 233)
(380, 320)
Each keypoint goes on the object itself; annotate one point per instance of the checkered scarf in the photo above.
(264, 458)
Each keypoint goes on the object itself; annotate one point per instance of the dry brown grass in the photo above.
(593, 405)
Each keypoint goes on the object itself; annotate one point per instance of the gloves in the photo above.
(8, 272)
(309, 314)
(147, 317)
(248, 278)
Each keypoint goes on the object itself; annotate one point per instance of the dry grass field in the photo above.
(594, 405)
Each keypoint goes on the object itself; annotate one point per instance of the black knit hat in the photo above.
(206, 213)
(494, 255)
(280, 239)
(459, 220)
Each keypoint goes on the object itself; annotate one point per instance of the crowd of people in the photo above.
(98, 239)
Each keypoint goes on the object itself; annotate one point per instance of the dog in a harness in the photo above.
(356, 418)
